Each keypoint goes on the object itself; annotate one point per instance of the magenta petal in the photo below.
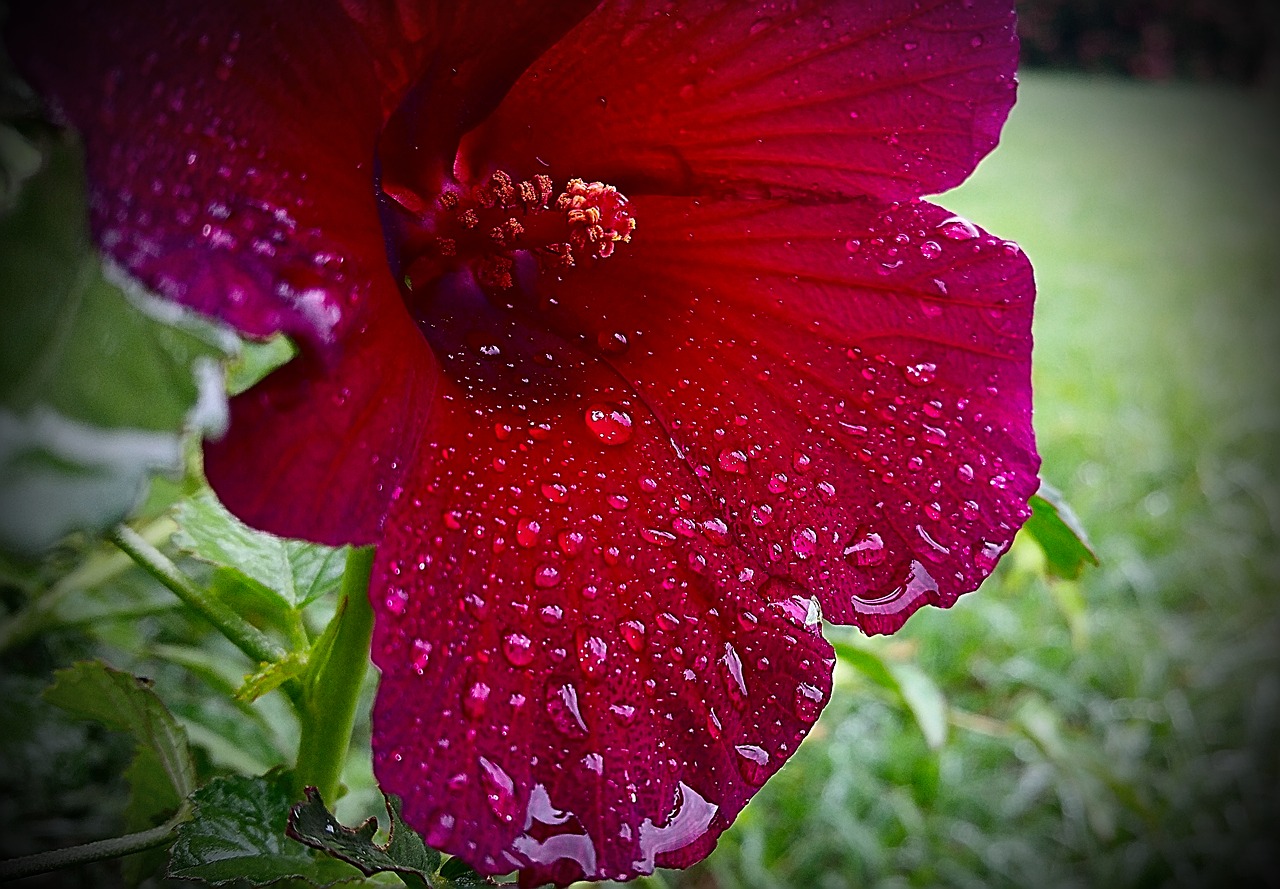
(893, 99)
(850, 382)
(316, 450)
(229, 158)
(578, 677)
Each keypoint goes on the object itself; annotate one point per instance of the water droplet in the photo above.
(551, 614)
(737, 685)
(421, 655)
(571, 542)
(965, 472)
(617, 501)
(748, 620)
(592, 653)
(804, 542)
(562, 707)
(866, 550)
(801, 461)
(986, 554)
(475, 701)
(930, 249)
(970, 509)
(439, 829)
(808, 702)
(625, 714)
(609, 423)
(853, 245)
(827, 490)
(614, 343)
(527, 531)
(716, 531)
(396, 601)
(734, 461)
(546, 576)
(777, 483)
(668, 621)
(921, 374)
(753, 763)
(957, 228)
(633, 634)
(658, 538)
(499, 789)
(555, 492)
(761, 514)
(594, 763)
(518, 649)
(684, 526)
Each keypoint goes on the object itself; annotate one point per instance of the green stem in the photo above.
(43, 862)
(332, 683)
(244, 635)
(97, 569)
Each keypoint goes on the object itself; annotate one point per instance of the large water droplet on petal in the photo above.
(499, 789)
(753, 763)
(518, 649)
(866, 550)
(808, 702)
(609, 423)
(565, 713)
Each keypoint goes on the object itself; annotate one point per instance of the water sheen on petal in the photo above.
(626, 664)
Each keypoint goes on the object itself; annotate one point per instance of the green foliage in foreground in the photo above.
(1117, 729)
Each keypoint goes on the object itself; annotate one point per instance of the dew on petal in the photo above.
(633, 634)
(866, 550)
(475, 701)
(733, 666)
(592, 653)
(808, 702)
(571, 542)
(546, 576)
(609, 423)
(733, 461)
(804, 542)
(957, 228)
(921, 374)
(499, 789)
(564, 710)
(527, 532)
(518, 649)
(753, 763)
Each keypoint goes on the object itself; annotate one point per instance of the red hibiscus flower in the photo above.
(624, 334)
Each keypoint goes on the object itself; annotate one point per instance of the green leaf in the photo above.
(294, 572)
(925, 701)
(162, 773)
(98, 379)
(1057, 530)
(404, 853)
(272, 676)
(910, 686)
(237, 833)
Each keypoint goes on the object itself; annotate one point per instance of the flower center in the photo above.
(486, 228)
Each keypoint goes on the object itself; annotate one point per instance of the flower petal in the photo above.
(851, 383)
(316, 450)
(576, 679)
(893, 99)
(230, 157)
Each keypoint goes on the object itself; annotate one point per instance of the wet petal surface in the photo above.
(579, 677)
(894, 99)
(849, 384)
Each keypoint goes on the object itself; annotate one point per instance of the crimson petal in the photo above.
(230, 159)
(850, 383)
(579, 679)
(893, 98)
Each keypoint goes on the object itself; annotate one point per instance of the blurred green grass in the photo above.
(1123, 730)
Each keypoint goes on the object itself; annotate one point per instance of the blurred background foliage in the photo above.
(1119, 730)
